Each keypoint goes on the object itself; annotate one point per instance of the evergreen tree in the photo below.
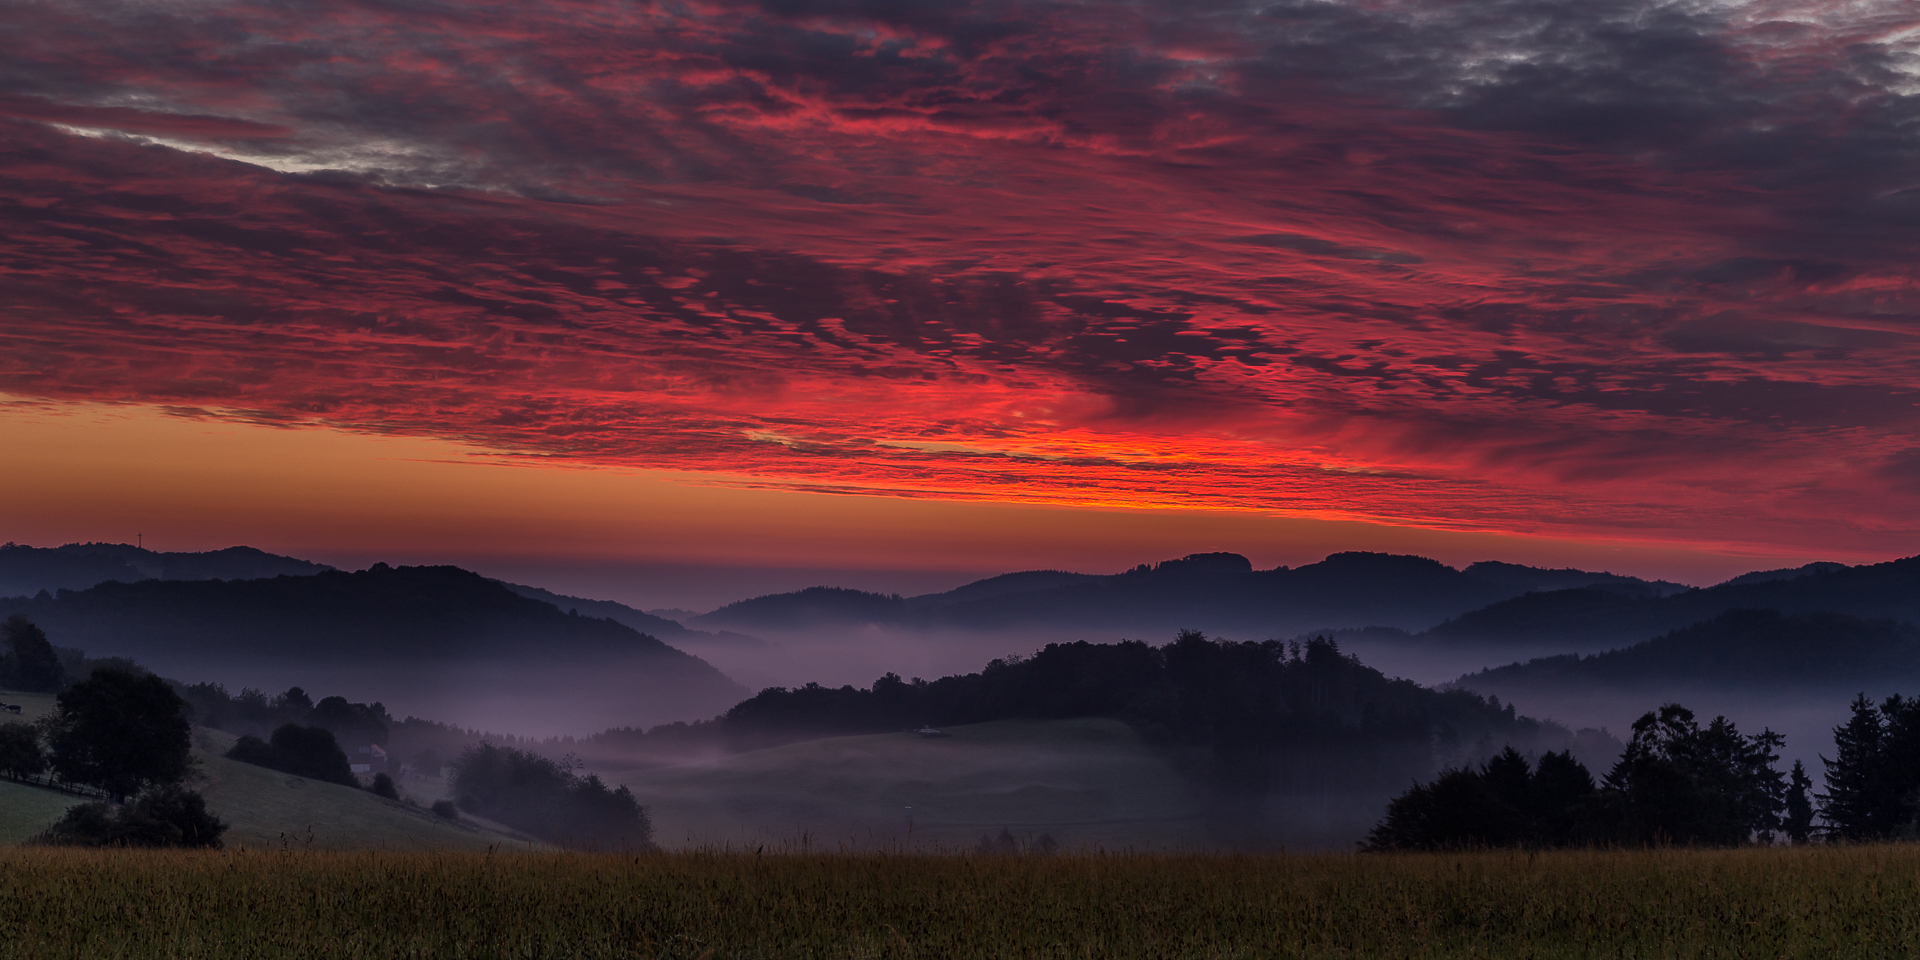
(1858, 804)
(1799, 821)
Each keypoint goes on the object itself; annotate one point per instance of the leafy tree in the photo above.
(20, 751)
(1799, 820)
(1459, 810)
(163, 816)
(31, 663)
(383, 787)
(310, 752)
(120, 731)
(355, 723)
(1679, 783)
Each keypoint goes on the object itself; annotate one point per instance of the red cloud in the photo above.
(984, 252)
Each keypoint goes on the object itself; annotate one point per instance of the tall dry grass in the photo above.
(1854, 902)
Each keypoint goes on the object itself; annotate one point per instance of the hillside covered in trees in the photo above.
(1258, 727)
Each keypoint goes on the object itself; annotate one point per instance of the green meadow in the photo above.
(1809, 902)
(265, 808)
(1086, 783)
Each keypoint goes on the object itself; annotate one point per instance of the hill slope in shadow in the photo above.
(440, 640)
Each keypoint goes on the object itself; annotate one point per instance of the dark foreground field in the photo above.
(1861, 902)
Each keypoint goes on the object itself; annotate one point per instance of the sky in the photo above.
(914, 291)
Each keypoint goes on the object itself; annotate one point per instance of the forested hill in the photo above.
(1758, 651)
(1216, 591)
(25, 571)
(379, 615)
(1260, 726)
(1590, 617)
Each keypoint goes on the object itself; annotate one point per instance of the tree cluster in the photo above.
(166, 816)
(251, 712)
(127, 734)
(310, 752)
(1249, 722)
(545, 798)
(1676, 783)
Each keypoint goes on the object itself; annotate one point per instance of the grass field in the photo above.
(1811, 903)
(265, 808)
(1086, 783)
(33, 706)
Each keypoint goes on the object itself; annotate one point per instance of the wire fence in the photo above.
(54, 783)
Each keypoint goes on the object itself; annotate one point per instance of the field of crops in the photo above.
(1858, 902)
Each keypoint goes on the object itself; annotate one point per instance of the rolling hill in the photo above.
(1757, 651)
(437, 640)
(1587, 619)
(1214, 591)
(266, 808)
(263, 808)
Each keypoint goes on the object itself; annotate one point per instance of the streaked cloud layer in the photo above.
(1582, 269)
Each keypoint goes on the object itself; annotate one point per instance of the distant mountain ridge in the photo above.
(382, 612)
(25, 571)
(1757, 651)
(1210, 591)
(1595, 618)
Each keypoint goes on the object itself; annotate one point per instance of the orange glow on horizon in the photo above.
(104, 472)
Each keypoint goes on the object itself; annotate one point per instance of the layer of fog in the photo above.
(517, 698)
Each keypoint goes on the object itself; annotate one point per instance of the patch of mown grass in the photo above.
(1855, 902)
(26, 810)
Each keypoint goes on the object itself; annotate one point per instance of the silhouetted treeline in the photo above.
(1676, 783)
(545, 798)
